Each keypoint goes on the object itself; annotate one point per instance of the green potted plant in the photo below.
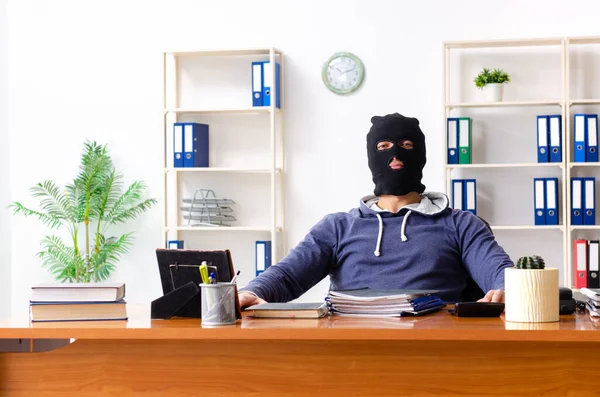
(531, 291)
(491, 82)
(85, 209)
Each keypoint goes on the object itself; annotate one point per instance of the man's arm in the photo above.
(307, 264)
(483, 257)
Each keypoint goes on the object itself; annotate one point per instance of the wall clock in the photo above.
(343, 73)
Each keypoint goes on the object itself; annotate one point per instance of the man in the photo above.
(400, 237)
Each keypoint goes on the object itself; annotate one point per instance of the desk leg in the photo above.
(315, 368)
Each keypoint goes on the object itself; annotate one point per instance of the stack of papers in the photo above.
(384, 303)
(593, 301)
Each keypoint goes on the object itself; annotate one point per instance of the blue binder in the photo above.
(543, 155)
(175, 244)
(257, 84)
(470, 196)
(551, 201)
(576, 201)
(268, 84)
(177, 145)
(591, 127)
(555, 133)
(263, 256)
(539, 200)
(452, 132)
(195, 143)
(579, 138)
(458, 194)
(589, 201)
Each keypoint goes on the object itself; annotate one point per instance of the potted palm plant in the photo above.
(85, 209)
(491, 82)
(531, 292)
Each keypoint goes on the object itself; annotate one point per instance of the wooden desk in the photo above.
(434, 355)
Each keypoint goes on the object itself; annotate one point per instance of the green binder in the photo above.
(464, 140)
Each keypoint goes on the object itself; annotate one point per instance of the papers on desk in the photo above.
(593, 301)
(383, 303)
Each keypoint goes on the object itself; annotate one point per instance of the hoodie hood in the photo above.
(432, 204)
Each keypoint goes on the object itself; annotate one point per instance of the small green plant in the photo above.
(530, 262)
(86, 208)
(487, 76)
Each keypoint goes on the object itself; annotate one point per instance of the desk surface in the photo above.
(440, 326)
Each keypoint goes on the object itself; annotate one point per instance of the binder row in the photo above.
(459, 140)
(190, 145)
(464, 195)
(545, 193)
(583, 201)
(585, 138)
(586, 263)
(549, 138)
(262, 83)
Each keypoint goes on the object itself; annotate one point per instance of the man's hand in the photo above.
(249, 299)
(493, 295)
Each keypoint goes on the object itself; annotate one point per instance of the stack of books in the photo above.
(78, 302)
(384, 303)
(593, 300)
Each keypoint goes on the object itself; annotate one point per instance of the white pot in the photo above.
(531, 296)
(494, 91)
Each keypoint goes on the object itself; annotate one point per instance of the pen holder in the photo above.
(218, 304)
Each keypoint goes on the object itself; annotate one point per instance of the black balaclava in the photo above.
(395, 128)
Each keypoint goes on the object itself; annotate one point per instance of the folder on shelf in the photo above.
(269, 83)
(263, 256)
(593, 281)
(555, 130)
(464, 140)
(543, 154)
(579, 138)
(470, 196)
(589, 202)
(457, 194)
(551, 201)
(175, 244)
(177, 145)
(539, 198)
(257, 84)
(195, 143)
(592, 138)
(452, 132)
(580, 263)
(576, 201)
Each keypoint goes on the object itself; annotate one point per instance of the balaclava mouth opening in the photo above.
(396, 128)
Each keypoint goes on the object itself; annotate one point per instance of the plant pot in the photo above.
(531, 296)
(494, 91)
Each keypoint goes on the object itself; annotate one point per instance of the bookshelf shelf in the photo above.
(250, 110)
(567, 78)
(507, 165)
(224, 229)
(504, 104)
(226, 52)
(222, 169)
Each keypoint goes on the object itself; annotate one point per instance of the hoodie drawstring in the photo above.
(379, 236)
(402, 232)
(404, 238)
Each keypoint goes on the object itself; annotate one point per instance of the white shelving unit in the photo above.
(565, 46)
(191, 96)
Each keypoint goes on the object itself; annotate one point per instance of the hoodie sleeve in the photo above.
(307, 264)
(483, 257)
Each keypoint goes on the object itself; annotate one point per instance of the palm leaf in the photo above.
(54, 202)
(127, 206)
(106, 257)
(59, 258)
(47, 219)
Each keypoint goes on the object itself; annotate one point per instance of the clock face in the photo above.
(343, 73)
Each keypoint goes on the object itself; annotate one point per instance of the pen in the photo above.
(204, 273)
(235, 277)
(212, 278)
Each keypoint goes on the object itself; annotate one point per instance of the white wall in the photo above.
(93, 69)
(5, 262)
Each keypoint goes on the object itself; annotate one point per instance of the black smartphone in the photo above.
(477, 309)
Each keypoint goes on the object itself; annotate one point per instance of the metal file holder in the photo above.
(205, 209)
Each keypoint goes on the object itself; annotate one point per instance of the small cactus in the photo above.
(530, 262)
